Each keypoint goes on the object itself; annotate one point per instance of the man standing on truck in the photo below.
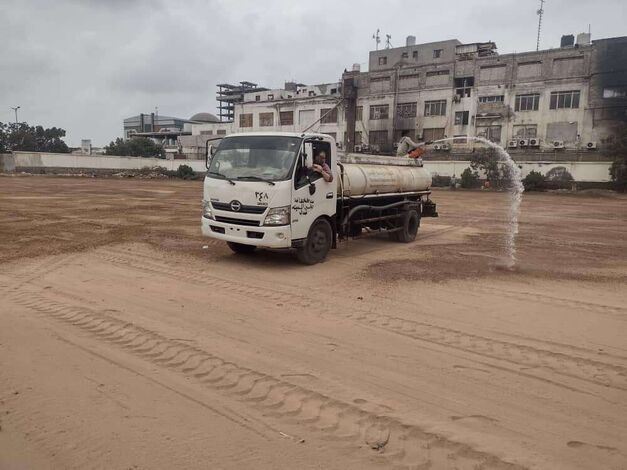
(320, 166)
(406, 145)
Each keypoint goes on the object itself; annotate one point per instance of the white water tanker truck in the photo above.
(260, 191)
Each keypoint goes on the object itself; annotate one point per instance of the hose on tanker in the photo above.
(377, 208)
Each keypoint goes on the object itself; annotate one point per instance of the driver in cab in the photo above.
(320, 166)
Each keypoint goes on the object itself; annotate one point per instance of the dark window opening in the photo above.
(461, 118)
(463, 86)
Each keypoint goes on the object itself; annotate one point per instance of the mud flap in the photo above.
(429, 209)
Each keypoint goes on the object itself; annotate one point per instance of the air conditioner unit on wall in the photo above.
(591, 145)
(446, 147)
(437, 147)
(523, 142)
(534, 142)
(512, 144)
(358, 148)
(558, 144)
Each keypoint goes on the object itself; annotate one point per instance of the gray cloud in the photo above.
(86, 65)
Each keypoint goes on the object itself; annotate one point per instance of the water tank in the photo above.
(583, 39)
(356, 67)
(411, 41)
(361, 179)
(568, 40)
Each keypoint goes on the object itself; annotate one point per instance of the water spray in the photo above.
(515, 194)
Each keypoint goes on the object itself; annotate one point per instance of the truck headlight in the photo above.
(278, 216)
(206, 210)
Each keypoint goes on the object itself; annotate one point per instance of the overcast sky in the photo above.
(86, 65)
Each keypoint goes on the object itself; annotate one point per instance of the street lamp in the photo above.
(15, 109)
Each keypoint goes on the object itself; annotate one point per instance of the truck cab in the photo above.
(260, 191)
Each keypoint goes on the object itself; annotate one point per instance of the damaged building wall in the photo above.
(546, 95)
(608, 87)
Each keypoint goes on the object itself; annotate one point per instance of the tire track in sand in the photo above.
(520, 356)
(397, 443)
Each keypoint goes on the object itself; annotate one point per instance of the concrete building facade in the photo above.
(572, 98)
(567, 98)
(293, 108)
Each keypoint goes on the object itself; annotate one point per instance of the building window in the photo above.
(406, 110)
(526, 131)
(359, 115)
(312, 93)
(435, 108)
(405, 55)
(266, 119)
(289, 96)
(463, 86)
(437, 53)
(414, 54)
(616, 92)
(564, 99)
(286, 118)
(433, 73)
(380, 111)
(358, 138)
(528, 102)
(270, 97)
(333, 91)
(246, 120)
(330, 118)
(378, 137)
(206, 132)
(257, 98)
(221, 132)
(383, 60)
(491, 99)
(491, 133)
(431, 134)
(461, 118)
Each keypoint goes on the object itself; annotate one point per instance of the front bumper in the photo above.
(268, 237)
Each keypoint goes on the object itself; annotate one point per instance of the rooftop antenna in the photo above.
(377, 39)
(540, 12)
(388, 44)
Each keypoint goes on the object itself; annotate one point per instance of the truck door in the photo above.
(311, 195)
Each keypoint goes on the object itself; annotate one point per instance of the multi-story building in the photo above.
(293, 108)
(571, 97)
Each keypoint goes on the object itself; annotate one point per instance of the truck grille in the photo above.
(226, 206)
(233, 220)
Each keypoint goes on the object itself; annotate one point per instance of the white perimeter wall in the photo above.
(101, 162)
(597, 172)
(581, 171)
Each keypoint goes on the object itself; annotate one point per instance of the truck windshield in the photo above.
(261, 157)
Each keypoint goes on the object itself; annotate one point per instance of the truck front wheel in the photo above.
(409, 223)
(318, 243)
(241, 248)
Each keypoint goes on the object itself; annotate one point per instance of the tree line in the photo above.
(21, 136)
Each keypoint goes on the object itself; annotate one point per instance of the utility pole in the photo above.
(15, 109)
(377, 39)
(540, 12)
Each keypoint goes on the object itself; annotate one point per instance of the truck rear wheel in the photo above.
(317, 244)
(409, 222)
(241, 248)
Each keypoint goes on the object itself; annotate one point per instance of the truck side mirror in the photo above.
(308, 162)
(209, 151)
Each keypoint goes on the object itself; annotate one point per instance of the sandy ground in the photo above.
(124, 344)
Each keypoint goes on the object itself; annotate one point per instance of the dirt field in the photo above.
(128, 341)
